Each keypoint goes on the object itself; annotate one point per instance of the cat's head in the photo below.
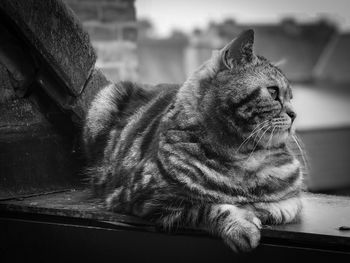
(243, 94)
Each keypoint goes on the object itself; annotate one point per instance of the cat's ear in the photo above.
(239, 51)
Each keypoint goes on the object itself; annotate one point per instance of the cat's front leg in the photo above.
(281, 212)
(238, 227)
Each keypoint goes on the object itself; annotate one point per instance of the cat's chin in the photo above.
(277, 138)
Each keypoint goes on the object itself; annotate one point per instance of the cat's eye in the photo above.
(273, 90)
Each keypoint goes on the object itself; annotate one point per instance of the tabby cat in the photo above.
(210, 154)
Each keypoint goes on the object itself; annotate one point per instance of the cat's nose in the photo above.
(292, 115)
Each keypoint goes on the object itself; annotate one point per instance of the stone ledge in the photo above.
(319, 225)
(56, 33)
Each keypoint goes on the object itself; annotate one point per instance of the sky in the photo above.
(188, 14)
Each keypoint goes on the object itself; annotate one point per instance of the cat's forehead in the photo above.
(274, 76)
(270, 72)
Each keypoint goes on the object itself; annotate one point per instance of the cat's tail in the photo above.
(103, 113)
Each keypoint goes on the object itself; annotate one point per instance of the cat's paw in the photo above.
(243, 234)
(282, 212)
(240, 229)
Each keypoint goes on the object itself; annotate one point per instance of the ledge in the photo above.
(322, 218)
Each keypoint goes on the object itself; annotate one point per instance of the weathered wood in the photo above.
(55, 240)
(319, 224)
(17, 59)
(36, 154)
(56, 33)
(74, 203)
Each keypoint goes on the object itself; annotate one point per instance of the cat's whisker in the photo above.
(256, 130)
(271, 136)
(256, 136)
(269, 142)
(256, 133)
(254, 140)
(259, 141)
(301, 152)
(250, 136)
(258, 127)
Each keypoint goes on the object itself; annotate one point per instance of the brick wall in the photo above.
(111, 25)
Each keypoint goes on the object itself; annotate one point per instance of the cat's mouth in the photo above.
(277, 131)
(281, 124)
(271, 132)
(281, 128)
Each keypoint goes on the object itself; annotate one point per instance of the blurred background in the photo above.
(160, 41)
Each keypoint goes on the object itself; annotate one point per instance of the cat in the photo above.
(211, 153)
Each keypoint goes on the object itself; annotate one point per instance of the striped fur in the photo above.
(211, 153)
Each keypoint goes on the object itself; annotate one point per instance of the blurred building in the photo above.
(334, 63)
(294, 46)
(112, 29)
